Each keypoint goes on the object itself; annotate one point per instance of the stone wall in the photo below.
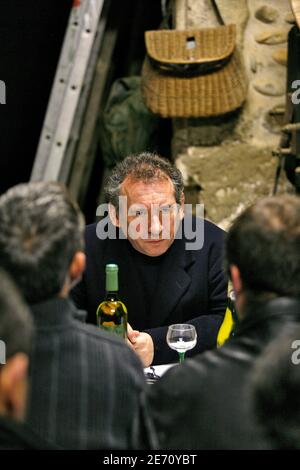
(227, 161)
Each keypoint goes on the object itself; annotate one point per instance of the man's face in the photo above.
(152, 215)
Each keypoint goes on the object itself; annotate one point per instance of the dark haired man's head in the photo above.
(275, 389)
(153, 190)
(41, 239)
(16, 334)
(263, 248)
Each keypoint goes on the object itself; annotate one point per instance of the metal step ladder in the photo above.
(70, 91)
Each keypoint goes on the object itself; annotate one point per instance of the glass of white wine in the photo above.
(181, 337)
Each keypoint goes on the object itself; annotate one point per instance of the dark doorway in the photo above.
(31, 35)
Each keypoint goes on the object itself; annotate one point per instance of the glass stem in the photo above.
(181, 357)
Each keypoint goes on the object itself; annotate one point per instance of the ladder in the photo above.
(70, 91)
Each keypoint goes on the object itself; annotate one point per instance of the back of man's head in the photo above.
(41, 229)
(16, 331)
(264, 243)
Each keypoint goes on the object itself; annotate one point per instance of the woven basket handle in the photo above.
(167, 18)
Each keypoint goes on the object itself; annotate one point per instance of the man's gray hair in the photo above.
(144, 167)
(41, 229)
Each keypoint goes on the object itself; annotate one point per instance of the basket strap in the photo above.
(190, 70)
(217, 12)
(167, 14)
(166, 22)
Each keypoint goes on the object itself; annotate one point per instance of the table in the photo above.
(154, 373)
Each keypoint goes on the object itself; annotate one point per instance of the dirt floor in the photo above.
(231, 177)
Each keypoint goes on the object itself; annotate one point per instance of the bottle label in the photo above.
(117, 329)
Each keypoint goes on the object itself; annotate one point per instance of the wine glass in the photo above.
(181, 337)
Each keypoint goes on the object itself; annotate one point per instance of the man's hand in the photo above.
(142, 344)
(131, 335)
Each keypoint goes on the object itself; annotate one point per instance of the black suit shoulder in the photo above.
(213, 230)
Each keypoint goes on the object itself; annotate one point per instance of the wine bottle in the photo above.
(112, 313)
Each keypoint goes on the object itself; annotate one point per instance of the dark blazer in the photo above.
(85, 382)
(207, 400)
(17, 436)
(191, 288)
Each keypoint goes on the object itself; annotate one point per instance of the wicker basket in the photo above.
(193, 73)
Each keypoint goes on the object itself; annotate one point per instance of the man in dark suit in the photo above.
(170, 264)
(16, 335)
(275, 391)
(85, 382)
(207, 399)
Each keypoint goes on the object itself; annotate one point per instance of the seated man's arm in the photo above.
(207, 323)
